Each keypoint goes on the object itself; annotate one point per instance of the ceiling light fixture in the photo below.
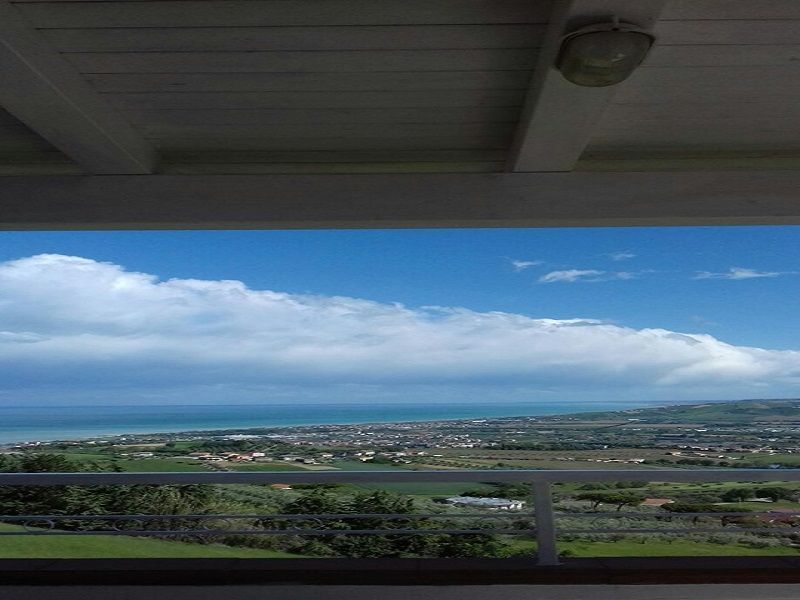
(603, 54)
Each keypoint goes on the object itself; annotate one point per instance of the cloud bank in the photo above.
(69, 323)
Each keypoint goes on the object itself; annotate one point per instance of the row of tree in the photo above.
(180, 501)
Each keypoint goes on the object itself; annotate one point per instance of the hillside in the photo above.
(734, 412)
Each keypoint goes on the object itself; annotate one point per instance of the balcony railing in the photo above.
(541, 522)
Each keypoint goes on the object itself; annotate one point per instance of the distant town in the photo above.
(738, 434)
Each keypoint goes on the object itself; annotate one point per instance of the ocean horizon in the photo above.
(48, 423)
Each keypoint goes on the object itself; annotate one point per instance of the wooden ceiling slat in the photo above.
(337, 144)
(720, 84)
(732, 9)
(630, 116)
(16, 141)
(227, 39)
(697, 55)
(352, 156)
(333, 116)
(734, 32)
(315, 100)
(304, 62)
(323, 129)
(237, 13)
(41, 90)
(322, 83)
(331, 168)
(666, 136)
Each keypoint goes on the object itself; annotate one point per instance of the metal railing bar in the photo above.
(217, 532)
(602, 515)
(499, 476)
(211, 517)
(685, 530)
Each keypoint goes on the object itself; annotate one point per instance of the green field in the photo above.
(160, 465)
(741, 411)
(26, 546)
(276, 466)
(423, 488)
(417, 488)
(792, 460)
(651, 548)
(13, 546)
(136, 465)
(86, 456)
(677, 548)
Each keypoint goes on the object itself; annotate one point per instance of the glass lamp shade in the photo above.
(603, 55)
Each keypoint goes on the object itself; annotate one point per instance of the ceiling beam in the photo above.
(382, 201)
(558, 116)
(44, 91)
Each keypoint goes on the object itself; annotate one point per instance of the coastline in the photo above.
(272, 431)
(352, 415)
(31, 426)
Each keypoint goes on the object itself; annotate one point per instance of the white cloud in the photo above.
(624, 255)
(571, 275)
(521, 265)
(737, 273)
(72, 323)
(590, 275)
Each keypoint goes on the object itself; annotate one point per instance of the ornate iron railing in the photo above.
(541, 523)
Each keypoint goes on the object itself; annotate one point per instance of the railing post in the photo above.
(547, 554)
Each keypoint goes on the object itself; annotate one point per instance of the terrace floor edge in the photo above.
(398, 572)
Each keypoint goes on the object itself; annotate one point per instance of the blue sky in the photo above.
(737, 285)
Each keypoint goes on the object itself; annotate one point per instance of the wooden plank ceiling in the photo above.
(23, 151)
(350, 86)
(719, 87)
(307, 85)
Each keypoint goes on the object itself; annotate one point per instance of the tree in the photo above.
(687, 507)
(774, 493)
(317, 501)
(514, 491)
(596, 498)
(99, 499)
(28, 500)
(620, 499)
(737, 495)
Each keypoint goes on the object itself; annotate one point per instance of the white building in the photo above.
(491, 503)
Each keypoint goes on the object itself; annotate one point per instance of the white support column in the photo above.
(558, 117)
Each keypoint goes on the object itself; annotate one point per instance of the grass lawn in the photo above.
(424, 488)
(415, 488)
(138, 465)
(160, 465)
(86, 456)
(759, 506)
(677, 548)
(768, 459)
(667, 490)
(635, 547)
(276, 466)
(357, 465)
(22, 546)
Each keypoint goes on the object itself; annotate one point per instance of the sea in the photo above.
(47, 423)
